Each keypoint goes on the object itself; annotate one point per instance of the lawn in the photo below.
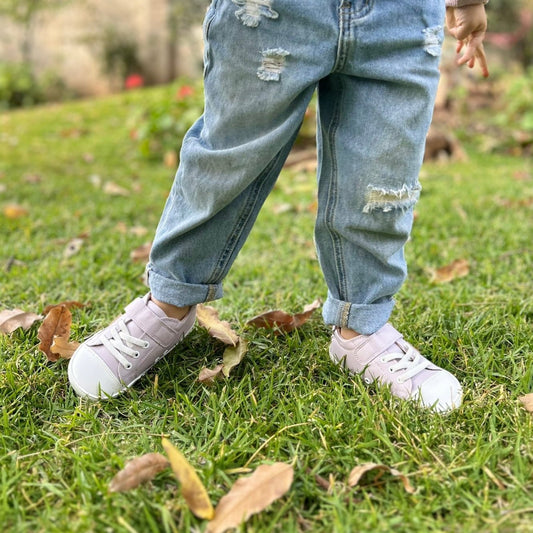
(472, 469)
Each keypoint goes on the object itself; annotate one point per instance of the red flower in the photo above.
(184, 92)
(133, 81)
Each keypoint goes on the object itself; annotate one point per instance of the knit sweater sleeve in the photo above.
(462, 3)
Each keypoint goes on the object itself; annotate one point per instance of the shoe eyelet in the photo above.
(391, 370)
(128, 366)
(368, 381)
(136, 354)
(146, 344)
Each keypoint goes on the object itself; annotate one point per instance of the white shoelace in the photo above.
(120, 343)
(411, 361)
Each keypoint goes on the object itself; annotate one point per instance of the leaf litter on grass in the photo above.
(54, 332)
(12, 319)
(284, 322)
(220, 329)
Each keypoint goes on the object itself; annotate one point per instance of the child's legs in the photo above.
(375, 110)
(259, 80)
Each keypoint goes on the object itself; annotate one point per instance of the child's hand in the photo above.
(468, 25)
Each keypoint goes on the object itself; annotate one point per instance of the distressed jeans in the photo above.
(374, 64)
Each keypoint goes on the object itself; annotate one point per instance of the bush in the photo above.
(161, 128)
(20, 88)
(513, 121)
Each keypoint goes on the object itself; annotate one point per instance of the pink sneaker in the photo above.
(387, 358)
(113, 359)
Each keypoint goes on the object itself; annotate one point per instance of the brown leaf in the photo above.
(208, 376)
(141, 253)
(233, 356)
(112, 189)
(251, 495)
(283, 321)
(69, 304)
(33, 178)
(527, 402)
(15, 211)
(56, 323)
(359, 471)
(207, 317)
(456, 269)
(10, 320)
(63, 347)
(192, 488)
(137, 471)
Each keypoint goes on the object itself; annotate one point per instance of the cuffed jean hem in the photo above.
(178, 293)
(365, 319)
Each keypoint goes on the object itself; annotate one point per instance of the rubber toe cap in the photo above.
(442, 393)
(90, 377)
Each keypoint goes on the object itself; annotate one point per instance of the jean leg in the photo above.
(261, 71)
(375, 110)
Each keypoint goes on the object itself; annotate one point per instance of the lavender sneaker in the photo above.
(387, 358)
(113, 359)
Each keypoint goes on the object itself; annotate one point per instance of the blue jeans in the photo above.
(375, 65)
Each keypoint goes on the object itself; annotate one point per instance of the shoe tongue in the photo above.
(400, 347)
(156, 309)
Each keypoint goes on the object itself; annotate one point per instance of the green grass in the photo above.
(472, 469)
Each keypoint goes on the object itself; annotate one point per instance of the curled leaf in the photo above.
(192, 488)
(233, 356)
(250, 495)
(219, 329)
(63, 347)
(456, 269)
(56, 323)
(284, 321)
(10, 320)
(69, 304)
(208, 376)
(137, 471)
(359, 471)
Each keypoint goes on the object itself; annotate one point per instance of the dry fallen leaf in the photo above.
(456, 269)
(69, 304)
(207, 317)
(15, 211)
(527, 402)
(137, 471)
(283, 321)
(359, 471)
(113, 189)
(56, 323)
(251, 495)
(141, 253)
(63, 347)
(10, 320)
(233, 356)
(192, 488)
(207, 375)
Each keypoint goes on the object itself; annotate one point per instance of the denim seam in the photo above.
(344, 23)
(332, 202)
(241, 223)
